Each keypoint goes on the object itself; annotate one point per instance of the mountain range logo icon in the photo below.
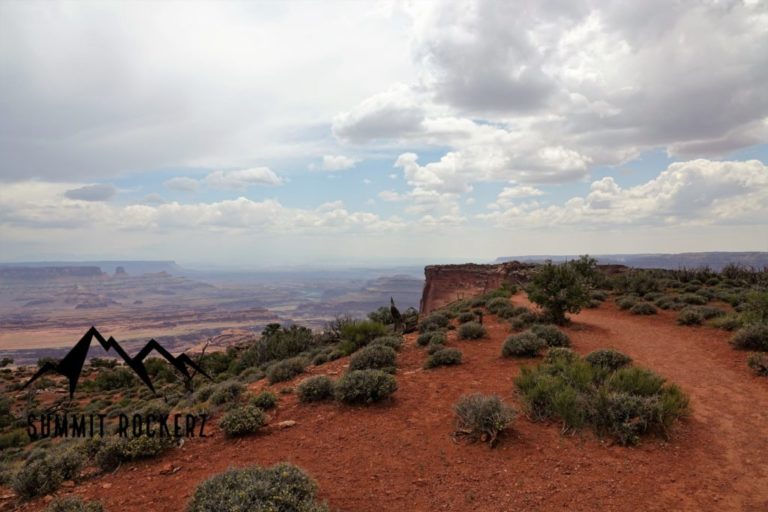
(71, 365)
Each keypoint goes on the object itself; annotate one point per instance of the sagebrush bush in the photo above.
(482, 417)
(436, 337)
(393, 342)
(471, 331)
(73, 504)
(374, 357)
(693, 299)
(443, 357)
(643, 308)
(526, 344)
(365, 386)
(226, 392)
(242, 420)
(43, 474)
(626, 302)
(314, 389)
(524, 320)
(466, 316)
(690, 316)
(434, 347)
(728, 322)
(359, 333)
(608, 359)
(555, 354)
(109, 452)
(623, 404)
(553, 336)
(708, 312)
(497, 304)
(283, 488)
(286, 369)
(751, 337)
(265, 400)
(433, 322)
(759, 364)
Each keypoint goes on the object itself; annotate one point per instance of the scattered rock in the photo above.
(286, 424)
(48, 498)
(68, 483)
(106, 486)
(166, 469)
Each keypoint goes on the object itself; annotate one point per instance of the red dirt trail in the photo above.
(400, 455)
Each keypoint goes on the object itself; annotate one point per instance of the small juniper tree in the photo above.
(559, 289)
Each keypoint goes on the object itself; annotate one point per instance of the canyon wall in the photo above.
(447, 283)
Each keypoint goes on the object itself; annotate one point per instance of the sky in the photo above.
(255, 134)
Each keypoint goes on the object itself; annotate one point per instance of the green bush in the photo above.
(276, 343)
(443, 357)
(482, 417)
(374, 357)
(524, 320)
(467, 316)
(430, 337)
(526, 344)
(756, 307)
(626, 302)
(242, 420)
(393, 342)
(624, 404)
(693, 299)
(728, 322)
(471, 331)
(759, 364)
(608, 359)
(315, 389)
(110, 452)
(665, 302)
(14, 438)
(498, 304)
(690, 316)
(708, 312)
(643, 308)
(433, 322)
(553, 336)
(434, 347)
(44, 474)
(365, 386)
(281, 488)
(108, 380)
(361, 332)
(559, 289)
(226, 392)
(73, 504)
(265, 400)
(556, 354)
(751, 337)
(286, 369)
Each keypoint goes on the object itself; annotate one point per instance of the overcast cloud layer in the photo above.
(490, 127)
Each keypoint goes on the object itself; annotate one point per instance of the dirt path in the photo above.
(400, 455)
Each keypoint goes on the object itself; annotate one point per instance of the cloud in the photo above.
(182, 184)
(91, 193)
(154, 199)
(696, 192)
(336, 163)
(243, 178)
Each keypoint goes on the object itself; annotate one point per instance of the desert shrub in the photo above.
(374, 357)
(108, 380)
(728, 322)
(280, 488)
(556, 354)
(759, 364)
(665, 302)
(751, 337)
(14, 438)
(643, 308)
(428, 337)
(638, 282)
(444, 357)
(558, 289)
(497, 304)
(652, 296)
(365, 386)
(359, 333)
(471, 331)
(73, 504)
(276, 343)
(320, 358)
(693, 299)
(626, 302)
(622, 404)
(226, 392)
(482, 417)
(242, 420)
(526, 344)
(204, 393)
(43, 474)
(433, 322)
(434, 347)
(393, 342)
(524, 320)
(708, 312)
(251, 374)
(466, 316)
(553, 336)
(608, 359)
(599, 295)
(265, 400)
(690, 316)
(315, 389)
(755, 309)
(286, 369)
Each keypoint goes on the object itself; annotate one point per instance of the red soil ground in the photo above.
(400, 455)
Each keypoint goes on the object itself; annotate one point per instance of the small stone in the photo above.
(286, 424)
(166, 469)
(68, 483)
(48, 498)
(106, 486)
